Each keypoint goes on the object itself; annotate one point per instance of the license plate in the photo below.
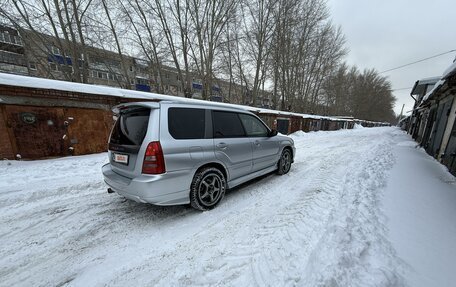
(120, 158)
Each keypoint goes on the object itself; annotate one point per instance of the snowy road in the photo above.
(321, 224)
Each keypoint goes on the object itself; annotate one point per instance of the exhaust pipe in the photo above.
(110, 190)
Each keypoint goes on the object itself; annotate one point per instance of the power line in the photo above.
(422, 60)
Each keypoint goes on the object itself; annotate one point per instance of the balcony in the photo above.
(12, 58)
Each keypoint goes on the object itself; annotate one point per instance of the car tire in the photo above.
(284, 163)
(207, 188)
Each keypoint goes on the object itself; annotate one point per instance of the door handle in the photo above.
(222, 146)
(257, 143)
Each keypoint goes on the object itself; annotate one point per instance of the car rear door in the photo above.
(186, 139)
(231, 145)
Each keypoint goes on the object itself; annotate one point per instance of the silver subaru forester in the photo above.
(169, 153)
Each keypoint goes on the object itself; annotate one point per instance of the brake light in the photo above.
(154, 163)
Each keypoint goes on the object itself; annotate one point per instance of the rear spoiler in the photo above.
(151, 105)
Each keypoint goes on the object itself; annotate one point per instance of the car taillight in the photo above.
(154, 163)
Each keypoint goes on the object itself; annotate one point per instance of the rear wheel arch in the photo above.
(217, 165)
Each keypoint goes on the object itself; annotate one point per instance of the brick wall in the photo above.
(53, 134)
(6, 149)
(295, 124)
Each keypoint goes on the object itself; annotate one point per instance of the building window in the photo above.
(61, 68)
(32, 66)
(18, 40)
(67, 69)
(7, 37)
(103, 75)
(131, 68)
(55, 50)
(54, 67)
(141, 81)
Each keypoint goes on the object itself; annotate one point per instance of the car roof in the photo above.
(208, 105)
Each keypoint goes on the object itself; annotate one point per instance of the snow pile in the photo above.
(297, 134)
(436, 86)
(358, 126)
(451, 70)
(408, 143)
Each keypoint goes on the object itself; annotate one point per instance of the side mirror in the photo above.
(273, 133)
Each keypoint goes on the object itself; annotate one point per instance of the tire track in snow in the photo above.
(266, 233)
(356, 250)
(264, 243)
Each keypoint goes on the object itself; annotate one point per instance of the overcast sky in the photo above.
(389, 33)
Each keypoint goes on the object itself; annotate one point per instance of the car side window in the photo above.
(186, 123)
(253, 126)
(227, 125)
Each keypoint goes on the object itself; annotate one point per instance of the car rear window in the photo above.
(186, 123)
(227, 125)
(131, 126)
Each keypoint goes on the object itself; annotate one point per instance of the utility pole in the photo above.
(400, 116)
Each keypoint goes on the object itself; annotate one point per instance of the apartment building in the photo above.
(12, 52)
(44, 56)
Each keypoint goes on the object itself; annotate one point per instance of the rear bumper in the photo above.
(171, 188)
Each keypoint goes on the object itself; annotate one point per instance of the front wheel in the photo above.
(207, 188)
(284, 163)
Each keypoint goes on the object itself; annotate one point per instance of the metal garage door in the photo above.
(282, 126)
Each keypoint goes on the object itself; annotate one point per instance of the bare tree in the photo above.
(289, 47)
(178, 45)
(306, 47)
(107, 8)
(65, 21)
(145, 34)
(209, 18)
(365, 95)
(258, 30)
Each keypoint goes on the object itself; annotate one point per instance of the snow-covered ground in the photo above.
(420, 202)
(360, 207)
